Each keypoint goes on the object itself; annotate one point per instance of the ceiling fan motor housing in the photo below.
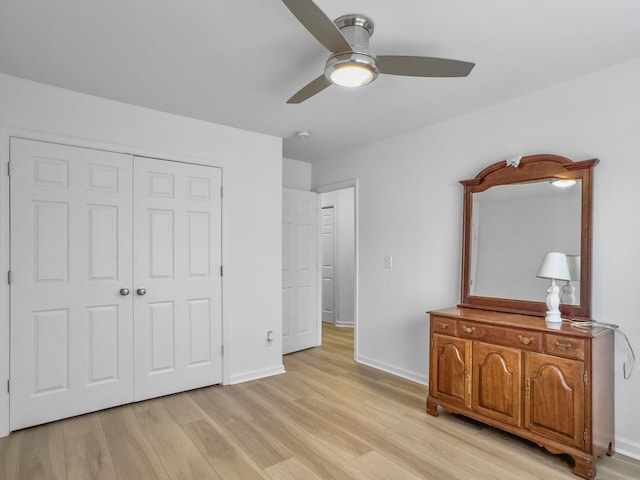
(357, 29)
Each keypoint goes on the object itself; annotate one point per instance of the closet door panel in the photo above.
(177, 259)
(71, 329)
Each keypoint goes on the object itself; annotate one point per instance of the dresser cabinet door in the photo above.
(554, 398)
(452, 360)
(497, 382)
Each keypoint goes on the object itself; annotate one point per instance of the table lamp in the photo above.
(554, 266)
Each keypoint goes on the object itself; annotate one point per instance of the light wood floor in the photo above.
(327, 418)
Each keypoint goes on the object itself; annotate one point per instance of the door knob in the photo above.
(124, 292)
(141, 291)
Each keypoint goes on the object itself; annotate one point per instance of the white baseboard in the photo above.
(399, 372)
(255, 375)
(344, 324)
(628, 448)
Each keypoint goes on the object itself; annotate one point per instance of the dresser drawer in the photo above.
(508, 337)
(523, 339)
(473, 331)
(568, 347)
(444, 325)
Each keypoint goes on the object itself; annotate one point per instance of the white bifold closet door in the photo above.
(71, 330)
(83, 336)
(177, 262)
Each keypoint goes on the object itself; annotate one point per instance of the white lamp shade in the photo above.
(554, 266)
(574, 267)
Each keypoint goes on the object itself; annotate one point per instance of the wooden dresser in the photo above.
(553, 386)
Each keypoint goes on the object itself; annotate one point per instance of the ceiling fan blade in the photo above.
(309, 90)
(319, 25)
(423, 66)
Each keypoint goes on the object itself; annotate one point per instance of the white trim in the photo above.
(344, 324)
(255, 375)
(5, 256)
(399, 372)
(319, 272)
(5, 135)
(107, 147)
(627, 447)
(356, 301)
(332, 187)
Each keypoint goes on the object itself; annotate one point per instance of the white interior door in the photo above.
(299, 270)
(71, 329)
(328, 265)
(177, 255)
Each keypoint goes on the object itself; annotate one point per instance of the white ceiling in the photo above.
(236, 62)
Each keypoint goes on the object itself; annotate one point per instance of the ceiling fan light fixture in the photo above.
(352, 75)
(353, 69)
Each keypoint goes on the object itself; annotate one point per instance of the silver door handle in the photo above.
(141, 291)
(124, 292)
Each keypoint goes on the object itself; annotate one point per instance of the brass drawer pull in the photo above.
(469, 330)
(444, 326)
(526, 340)
(563, 347)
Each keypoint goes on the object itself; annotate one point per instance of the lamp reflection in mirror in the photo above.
(554, 266)
(569, 290)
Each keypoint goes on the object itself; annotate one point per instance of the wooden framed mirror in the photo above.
(514, 214)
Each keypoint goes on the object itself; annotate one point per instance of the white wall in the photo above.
(252, 205)
(296, 174)
(410, 207)
(344, 252)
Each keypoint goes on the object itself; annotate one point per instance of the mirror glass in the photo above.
(512, 227)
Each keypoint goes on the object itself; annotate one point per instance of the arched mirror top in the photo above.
(514, 214)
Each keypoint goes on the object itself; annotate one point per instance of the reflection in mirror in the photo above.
(570, 288)
(512, 227)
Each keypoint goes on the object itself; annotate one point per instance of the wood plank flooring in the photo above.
(326, 418)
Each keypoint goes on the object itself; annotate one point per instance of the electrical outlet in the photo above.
(388, 261)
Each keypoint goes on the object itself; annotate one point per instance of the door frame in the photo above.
(5, 253)
(332, 187)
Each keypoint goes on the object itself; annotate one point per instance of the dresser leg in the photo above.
(432, 407)
(584, 467)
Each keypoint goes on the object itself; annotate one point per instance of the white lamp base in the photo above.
(553, 303)
(553, 317)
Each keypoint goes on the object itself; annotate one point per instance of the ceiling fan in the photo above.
(351, 63)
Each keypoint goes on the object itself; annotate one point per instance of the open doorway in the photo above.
(338, 255)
